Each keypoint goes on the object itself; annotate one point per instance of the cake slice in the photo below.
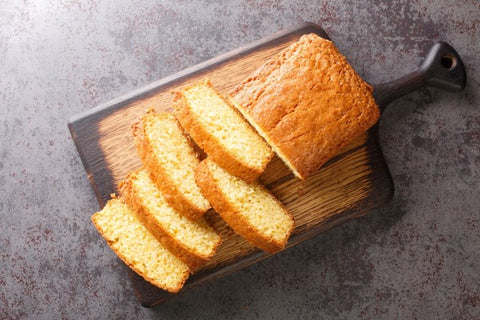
(193, 242)
(168, 156)
(250, 209)
(138, 248)
(221, 131)
(308, 103)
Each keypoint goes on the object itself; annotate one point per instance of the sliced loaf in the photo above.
(250, 209)
(221, 131)
(193, 242)
(169, 157)
(138, 248)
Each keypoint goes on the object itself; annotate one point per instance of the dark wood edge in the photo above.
(84, 161)
(432, 72)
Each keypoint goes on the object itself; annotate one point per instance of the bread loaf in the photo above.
(307, 102)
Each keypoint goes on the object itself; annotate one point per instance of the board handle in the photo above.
(442, 68)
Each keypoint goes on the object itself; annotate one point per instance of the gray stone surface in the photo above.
(416, 258)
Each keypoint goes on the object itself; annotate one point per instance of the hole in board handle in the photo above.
(448, 61)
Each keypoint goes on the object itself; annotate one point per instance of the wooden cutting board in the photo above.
(348, 186)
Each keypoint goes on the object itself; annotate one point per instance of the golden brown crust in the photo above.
(308, 103)
(132, 266)
(128, 192)
(169, 188)
(209, 143)
(206, 182)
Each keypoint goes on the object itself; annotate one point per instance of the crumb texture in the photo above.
(169, 157)
(190, 240)
(138, 248)
(221, 131)
(250, 209)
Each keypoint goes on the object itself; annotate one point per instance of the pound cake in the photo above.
(193, 242)
(169, 157)
(221, 131)
(250, 209)
(307, 102)
(138, 248)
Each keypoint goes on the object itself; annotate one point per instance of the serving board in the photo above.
(350, 185)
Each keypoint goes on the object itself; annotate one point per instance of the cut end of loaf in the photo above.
(262, 133)
(138, 248)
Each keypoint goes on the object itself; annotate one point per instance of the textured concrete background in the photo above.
(416, 258)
